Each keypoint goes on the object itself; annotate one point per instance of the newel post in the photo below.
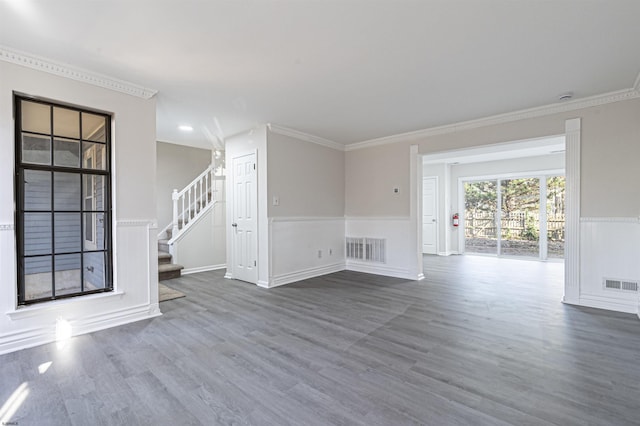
(174, 197)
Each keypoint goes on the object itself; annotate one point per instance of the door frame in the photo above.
(573, 139)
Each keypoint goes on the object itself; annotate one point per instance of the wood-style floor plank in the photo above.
(480, 341)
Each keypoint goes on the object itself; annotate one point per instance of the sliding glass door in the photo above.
(507, 217)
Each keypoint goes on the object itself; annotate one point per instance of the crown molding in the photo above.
(73, 73)
(606, 98)
(285, 131)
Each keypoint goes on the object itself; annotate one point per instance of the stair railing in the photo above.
(192, 200)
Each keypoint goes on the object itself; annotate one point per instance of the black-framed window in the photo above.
(63, 200)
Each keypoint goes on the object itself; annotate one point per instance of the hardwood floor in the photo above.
(481, 341)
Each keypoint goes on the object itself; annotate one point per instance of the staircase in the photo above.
(188, 206)
(166, 269)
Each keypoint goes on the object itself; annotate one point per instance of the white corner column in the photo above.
(572, 213)
(415, 209)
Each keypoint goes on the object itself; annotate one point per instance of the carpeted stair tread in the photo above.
(168, 271)
(164, 257)
(167, 267)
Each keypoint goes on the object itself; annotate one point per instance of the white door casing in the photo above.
(429, 215)
(244, 221)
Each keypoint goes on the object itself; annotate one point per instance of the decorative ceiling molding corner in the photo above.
(73, 73)
(285, 131)
(592, 101)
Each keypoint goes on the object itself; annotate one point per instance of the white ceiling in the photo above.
(344, 70)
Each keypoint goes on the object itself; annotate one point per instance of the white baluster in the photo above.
(184, 217)
(174, 197)
(207, 182)
(200, 194)
(188, 197)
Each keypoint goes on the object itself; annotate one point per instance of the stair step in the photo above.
(169, 270)
(164, 257)
(163, 245)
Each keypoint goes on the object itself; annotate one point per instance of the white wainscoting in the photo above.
(295, 243)
(135, 295)
(202, 247)
(609, 247)
(400, 253)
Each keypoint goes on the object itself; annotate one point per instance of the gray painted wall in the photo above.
(177, 166)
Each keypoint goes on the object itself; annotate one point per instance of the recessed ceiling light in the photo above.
(185, 128)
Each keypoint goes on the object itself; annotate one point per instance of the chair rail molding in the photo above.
(613, 219)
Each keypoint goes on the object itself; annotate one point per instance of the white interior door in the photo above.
(244, 223)
(430, 215)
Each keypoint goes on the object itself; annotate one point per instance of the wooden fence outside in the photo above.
(515, 226)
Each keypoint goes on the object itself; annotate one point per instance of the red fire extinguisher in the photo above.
(456, 220)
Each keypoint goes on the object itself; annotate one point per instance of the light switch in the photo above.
(276, 200)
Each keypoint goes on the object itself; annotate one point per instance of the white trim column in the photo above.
(572, 213)
(415, 208)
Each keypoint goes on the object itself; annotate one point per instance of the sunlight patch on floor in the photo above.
(13, 403)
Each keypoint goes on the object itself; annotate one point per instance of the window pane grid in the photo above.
(65, 249)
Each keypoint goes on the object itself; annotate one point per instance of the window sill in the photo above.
(35, 310)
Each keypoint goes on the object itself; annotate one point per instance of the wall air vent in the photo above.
(620, 285)
(367, 249)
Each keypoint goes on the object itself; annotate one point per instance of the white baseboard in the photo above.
(630, 307)
(28, 338)
(188, 271)
(305, 274)
(383, 270)
(447, 253)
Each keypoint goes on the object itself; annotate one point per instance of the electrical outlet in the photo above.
(319, 254)
(396, 190)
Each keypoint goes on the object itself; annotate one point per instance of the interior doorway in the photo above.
(443, 164)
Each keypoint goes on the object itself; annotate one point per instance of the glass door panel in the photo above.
(520, 217)
(481, 207)
(555, 217)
